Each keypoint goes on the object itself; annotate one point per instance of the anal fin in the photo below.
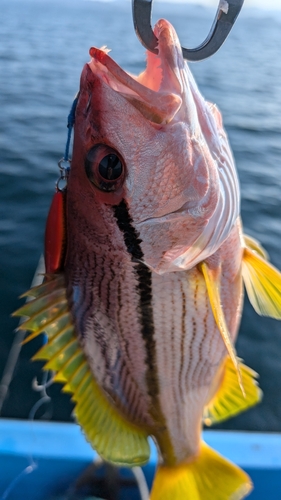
(227, 400)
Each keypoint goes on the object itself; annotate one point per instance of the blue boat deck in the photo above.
(53, 455)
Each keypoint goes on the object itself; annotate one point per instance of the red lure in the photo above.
(55, 234)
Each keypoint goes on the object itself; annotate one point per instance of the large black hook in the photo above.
(225, 18)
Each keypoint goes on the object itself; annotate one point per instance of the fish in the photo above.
(146, 264)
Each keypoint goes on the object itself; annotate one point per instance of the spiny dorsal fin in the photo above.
(262, 282)
(110, 433)
(227, 400)
(212, 284)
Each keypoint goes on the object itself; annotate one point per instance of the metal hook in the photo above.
(225, 18)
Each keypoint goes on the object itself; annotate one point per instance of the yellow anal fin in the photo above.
(39, 304)
(70, 368)
(59, 342)
(212, 284)
(109, 432)
(74, 379)
(263, 284)
(55, 282)
(40, 320)
(208, 477)
(228, 400)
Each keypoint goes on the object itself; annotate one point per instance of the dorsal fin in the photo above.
(213, 286)
(110, 433)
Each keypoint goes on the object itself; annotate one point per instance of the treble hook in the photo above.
(225, 18)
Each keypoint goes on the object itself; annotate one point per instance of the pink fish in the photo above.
(143, 310)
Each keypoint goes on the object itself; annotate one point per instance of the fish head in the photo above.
(154, 144)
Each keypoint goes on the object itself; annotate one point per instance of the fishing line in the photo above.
(28, 470)
(32, 464)
(141, 482)
(17, 343)
(70, 124)
(47, 380)
(64, 171)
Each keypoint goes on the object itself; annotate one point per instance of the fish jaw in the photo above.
(181, 186)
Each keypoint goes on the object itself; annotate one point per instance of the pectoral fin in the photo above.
(212, 284)
(110, 433)
(262, 282)
(254, 245)
(226, 399)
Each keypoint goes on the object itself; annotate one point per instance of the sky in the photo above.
(264, 4)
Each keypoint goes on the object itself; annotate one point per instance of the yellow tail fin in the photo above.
(208, 477)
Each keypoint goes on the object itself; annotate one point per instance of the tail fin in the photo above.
(208, 477)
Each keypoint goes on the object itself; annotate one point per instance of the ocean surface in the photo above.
(43, 47)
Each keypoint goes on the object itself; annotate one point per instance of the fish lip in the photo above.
(157, 91)
(170, 53)
(169, 58)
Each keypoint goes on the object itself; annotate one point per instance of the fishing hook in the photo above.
(225, 18)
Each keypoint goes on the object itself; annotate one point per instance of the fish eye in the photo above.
(110, 167)
(104, 167)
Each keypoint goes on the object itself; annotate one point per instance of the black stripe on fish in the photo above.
(144, 289)
(183, 335)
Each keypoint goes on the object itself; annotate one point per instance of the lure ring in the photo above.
(64, 173)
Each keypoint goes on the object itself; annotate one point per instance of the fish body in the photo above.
(143, 315)
(140, 304)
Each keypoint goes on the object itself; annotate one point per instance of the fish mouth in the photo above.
(157, 91)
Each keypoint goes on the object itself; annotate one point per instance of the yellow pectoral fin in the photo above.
(263, 284)
(109, 432)
(212, 284)
(228, 400)
(255, 246)
(209, 476)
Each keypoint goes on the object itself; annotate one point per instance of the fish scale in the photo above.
(112, 323)
(184, 348)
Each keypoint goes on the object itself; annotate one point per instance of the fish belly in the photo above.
(189, 346)
(151, 340)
